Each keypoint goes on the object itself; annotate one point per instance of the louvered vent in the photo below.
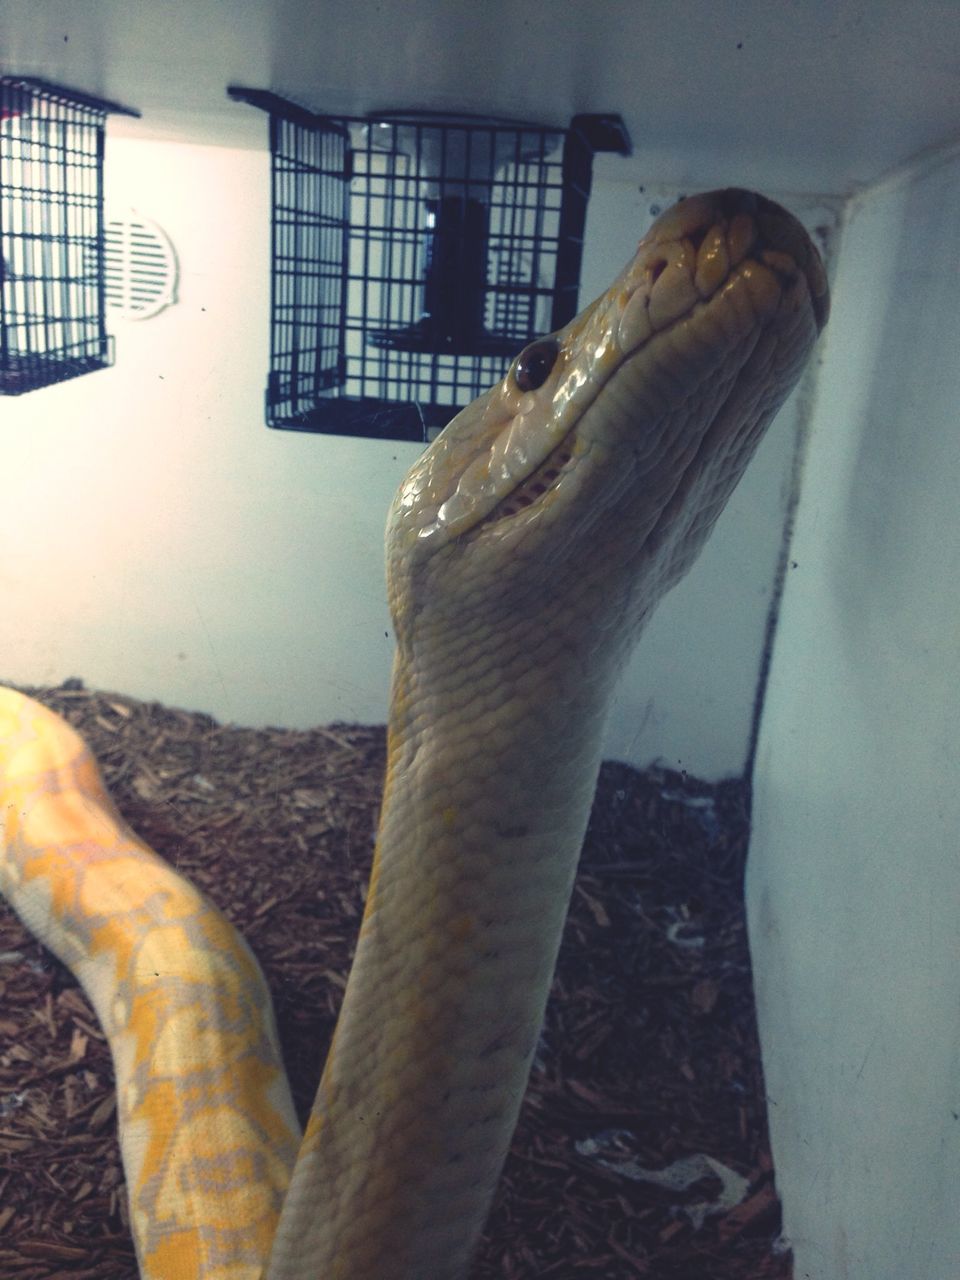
(141, 267)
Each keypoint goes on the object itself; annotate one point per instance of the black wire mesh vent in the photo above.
(413, 255)
(51, 234)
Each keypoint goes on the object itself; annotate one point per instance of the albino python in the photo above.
(525, 550)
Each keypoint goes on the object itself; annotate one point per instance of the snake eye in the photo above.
(534, 364)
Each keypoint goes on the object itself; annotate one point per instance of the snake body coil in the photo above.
(525, 550)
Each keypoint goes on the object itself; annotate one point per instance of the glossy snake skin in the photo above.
(525, 550)
(209, 1133)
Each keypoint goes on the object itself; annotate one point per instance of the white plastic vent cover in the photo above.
(140, 267)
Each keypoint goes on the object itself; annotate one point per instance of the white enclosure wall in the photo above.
(161, 541)
(854, 877)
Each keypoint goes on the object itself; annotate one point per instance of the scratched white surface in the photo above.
(854, 878)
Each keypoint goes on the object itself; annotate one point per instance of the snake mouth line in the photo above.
(538, 483)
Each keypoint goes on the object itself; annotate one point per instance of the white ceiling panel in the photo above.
(813, 96)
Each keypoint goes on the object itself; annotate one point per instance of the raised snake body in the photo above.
(525, 549)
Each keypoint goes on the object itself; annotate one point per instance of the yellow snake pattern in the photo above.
(208, 1130)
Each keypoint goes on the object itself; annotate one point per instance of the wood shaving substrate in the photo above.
(648, 1053)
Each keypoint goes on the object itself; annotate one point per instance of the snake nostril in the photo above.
(697, 237)
(656, 269)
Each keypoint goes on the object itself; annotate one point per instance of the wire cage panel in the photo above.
(309, 224)
(413, 256)
(52, 323)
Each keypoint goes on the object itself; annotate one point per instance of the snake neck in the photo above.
(441, 1016)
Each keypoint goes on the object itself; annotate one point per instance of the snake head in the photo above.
(610, 447)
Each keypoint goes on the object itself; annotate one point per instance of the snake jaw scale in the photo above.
(713, 263)
(763, 286)
(741, 236)
(673, 292)
(635, 326)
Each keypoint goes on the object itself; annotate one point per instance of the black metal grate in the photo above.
(413, 255)
(51, 234)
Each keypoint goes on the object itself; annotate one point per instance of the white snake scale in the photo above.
(525, 550)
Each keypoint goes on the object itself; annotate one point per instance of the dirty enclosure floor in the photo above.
(648, 1056)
